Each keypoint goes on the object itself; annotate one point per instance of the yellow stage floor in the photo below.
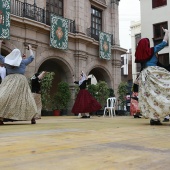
(69, 143)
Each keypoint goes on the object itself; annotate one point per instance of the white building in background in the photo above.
(124, 66)
(154, 16)
(135, 37)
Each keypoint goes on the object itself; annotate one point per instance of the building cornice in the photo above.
(115, 1)
(99, 4)
(26, 23)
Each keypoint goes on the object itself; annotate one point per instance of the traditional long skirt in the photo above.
(154, 92)
(85, 103)
(16, 100)
(37, 98)
(134, 108)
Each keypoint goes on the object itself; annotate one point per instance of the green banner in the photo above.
(59, 32)
(5, 19)
(105, 45)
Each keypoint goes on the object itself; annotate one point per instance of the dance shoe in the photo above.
(165, 120)
(155, 122)
(33, 121)
(1, 122)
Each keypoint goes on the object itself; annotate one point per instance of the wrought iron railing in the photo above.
(23, 9)
(95, 36)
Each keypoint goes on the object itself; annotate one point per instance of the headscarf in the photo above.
(83, 77)
(143, 51)
(14, 58)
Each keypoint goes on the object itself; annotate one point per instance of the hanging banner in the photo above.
(59, 32)
(5, 19)
(105, 45)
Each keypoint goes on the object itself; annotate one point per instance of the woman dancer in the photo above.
(36, 91)
(85, 102)
(134, 108)
(154, 81)
(16, 100)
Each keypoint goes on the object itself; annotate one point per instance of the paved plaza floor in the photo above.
(69, 143)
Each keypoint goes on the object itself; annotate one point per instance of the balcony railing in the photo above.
(23, 9)
(95, 36)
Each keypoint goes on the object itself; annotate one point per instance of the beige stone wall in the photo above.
(83, 51)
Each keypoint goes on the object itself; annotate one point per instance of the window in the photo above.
(122, 61)
(96, 22)
(164, 59)
(54, 6)
(122, 69)
(158, 3)
(158, 32)
(137, 39)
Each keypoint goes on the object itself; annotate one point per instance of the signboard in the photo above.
(59, 32)
(5, 19)
(105, 45)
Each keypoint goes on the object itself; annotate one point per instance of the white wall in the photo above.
(135, 29)
(151, 16)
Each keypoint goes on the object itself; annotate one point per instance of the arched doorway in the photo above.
(62, 72)
(101, 75)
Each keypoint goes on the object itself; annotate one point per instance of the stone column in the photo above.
(80, 61)
(116, 70)
(79, 16)
(115, 21)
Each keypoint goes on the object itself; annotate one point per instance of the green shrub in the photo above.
(122, 90)
(62, 97)
(46, 84)
(102, 93)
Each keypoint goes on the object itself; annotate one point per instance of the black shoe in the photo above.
(84, 117)
(137, 116)
(165, 120)
(155, 122)
(33, 121)
(1, 122)
(88, 116)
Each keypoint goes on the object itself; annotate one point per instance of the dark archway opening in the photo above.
(61, 70)
(101, 75)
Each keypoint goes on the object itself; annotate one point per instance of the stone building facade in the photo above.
(29, 26)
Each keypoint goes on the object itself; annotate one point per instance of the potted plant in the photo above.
(62, 98)
(102, 95)
(111, 92)
(46, 99)
(93, 90)
(122, 91)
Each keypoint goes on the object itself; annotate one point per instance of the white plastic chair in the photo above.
(111, 102)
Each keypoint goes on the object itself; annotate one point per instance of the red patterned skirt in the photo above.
(134, 108)
(85, 103)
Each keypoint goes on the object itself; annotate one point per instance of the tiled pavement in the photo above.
(69, 143)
